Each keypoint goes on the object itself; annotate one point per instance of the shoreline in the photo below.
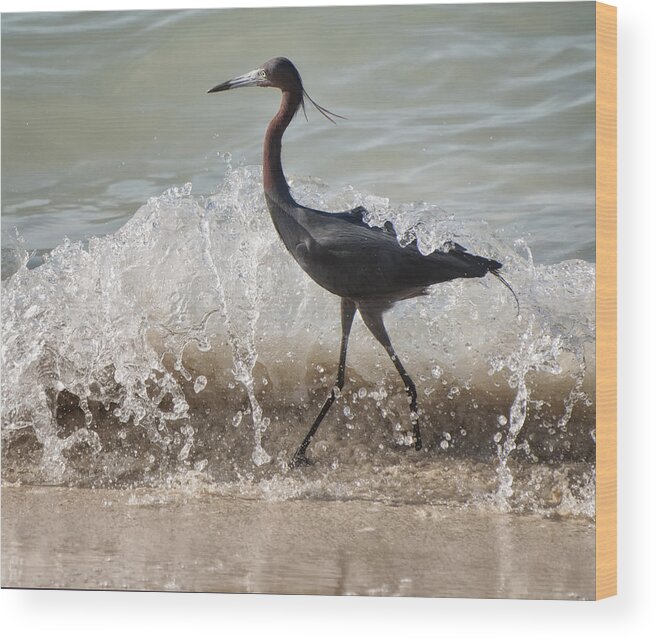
(167, 540)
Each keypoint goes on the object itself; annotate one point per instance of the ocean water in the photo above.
(486, 111)
(155, 332)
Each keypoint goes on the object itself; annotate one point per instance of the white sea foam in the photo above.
(193, 334)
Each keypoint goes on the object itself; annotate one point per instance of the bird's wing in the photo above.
(374, 251)
(352, 259)
(357, 217)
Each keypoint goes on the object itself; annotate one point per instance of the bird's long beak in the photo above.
(250, 79)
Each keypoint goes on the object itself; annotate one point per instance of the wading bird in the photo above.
(365, 266)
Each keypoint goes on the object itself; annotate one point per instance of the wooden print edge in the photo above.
(606, 301)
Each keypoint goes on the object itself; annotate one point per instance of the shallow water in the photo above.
(162, 540)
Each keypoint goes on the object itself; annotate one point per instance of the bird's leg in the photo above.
(348, 313)
(373, 318)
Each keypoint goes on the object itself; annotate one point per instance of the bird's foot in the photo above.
(299, 460)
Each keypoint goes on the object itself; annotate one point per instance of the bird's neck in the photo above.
(275, 184)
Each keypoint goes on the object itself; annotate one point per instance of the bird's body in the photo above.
(365, 266)
(346, 256)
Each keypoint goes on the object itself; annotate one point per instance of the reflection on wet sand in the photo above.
(163, 540)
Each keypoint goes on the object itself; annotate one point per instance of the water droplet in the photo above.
(200, 384)
(260, 456)
(236, 419)
(502, 420)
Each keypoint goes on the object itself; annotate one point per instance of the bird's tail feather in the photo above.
(496, 274)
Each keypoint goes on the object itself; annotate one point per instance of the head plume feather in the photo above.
(322, 110)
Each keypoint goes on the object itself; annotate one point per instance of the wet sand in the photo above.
(171, 541)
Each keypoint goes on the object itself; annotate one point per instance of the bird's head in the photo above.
(279, 73)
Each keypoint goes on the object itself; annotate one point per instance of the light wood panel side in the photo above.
(606, 308)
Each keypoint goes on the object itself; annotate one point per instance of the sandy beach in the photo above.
(165, 540)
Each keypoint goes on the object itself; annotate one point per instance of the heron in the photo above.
(365, 266)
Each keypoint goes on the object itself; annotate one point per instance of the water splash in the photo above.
(191, 339)
(240, 258)
(533, 354)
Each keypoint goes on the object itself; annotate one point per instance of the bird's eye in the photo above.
(263, 74)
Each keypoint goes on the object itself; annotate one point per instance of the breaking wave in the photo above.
(189, 349)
